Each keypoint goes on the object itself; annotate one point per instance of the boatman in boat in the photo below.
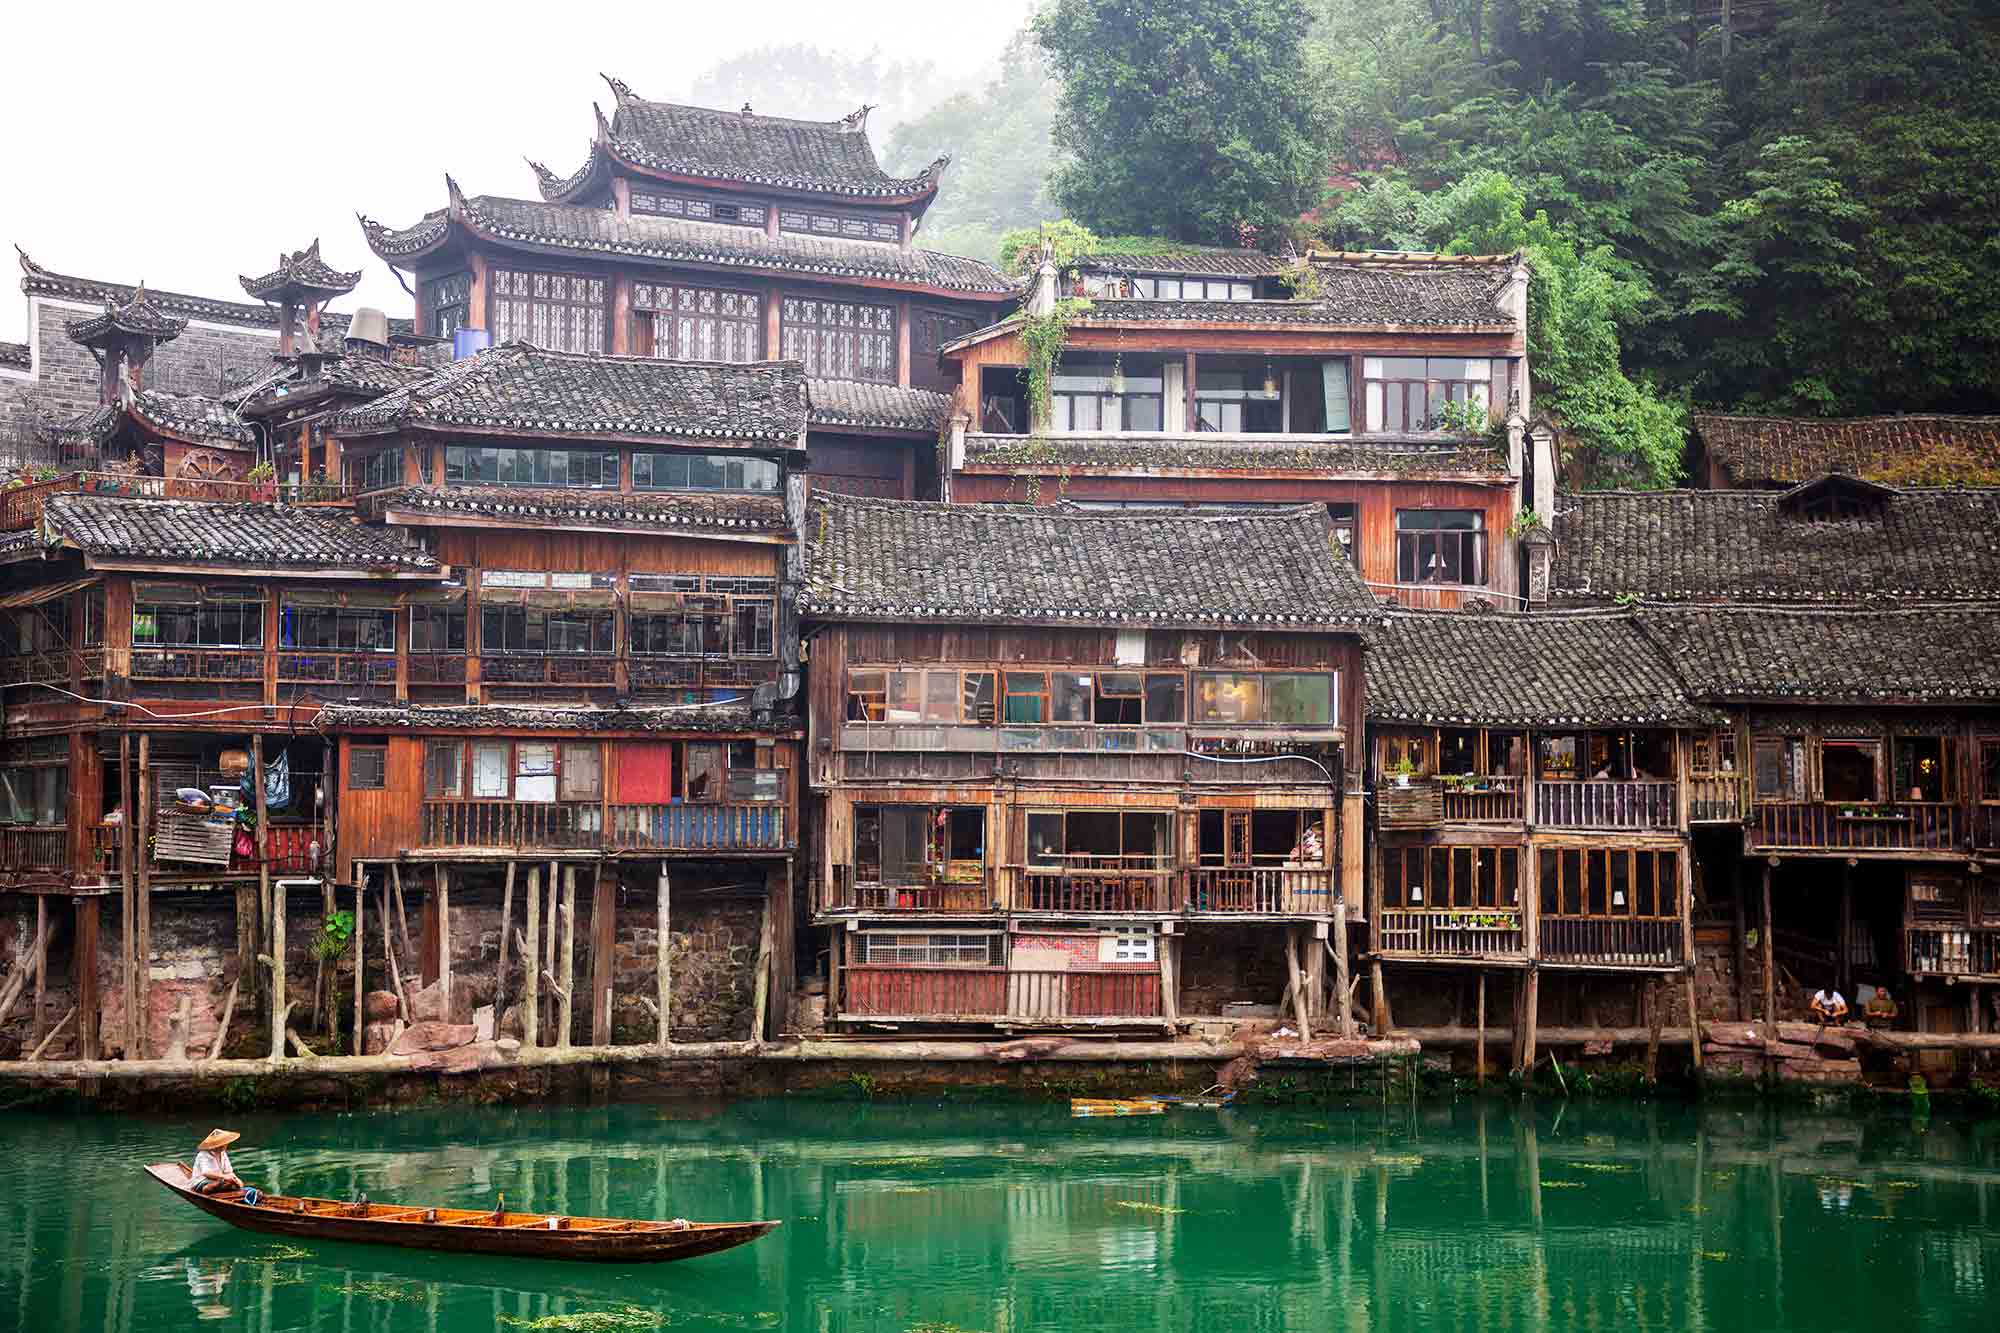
(212, 1171)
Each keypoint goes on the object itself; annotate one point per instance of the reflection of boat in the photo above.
(467, 1231)
(1213, 1098)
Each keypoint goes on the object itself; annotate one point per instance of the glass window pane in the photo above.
(1070, 698)
(1166, 698)
(1228, 698)
(941, 696)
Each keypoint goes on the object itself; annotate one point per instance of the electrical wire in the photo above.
(164, 717)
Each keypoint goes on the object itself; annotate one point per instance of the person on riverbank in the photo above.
(212, 1172)
(1830, 1006)
(1880, 1011)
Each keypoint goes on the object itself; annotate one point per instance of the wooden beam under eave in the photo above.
(345, 573)
(506, 523)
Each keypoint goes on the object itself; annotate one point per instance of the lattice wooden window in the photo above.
(841, 225)
(368, 768)
(560, 311)
(697, 323)
(840, 340)
(450, 304)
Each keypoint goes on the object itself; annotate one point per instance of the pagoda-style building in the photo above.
(301, 285)
(698, 234)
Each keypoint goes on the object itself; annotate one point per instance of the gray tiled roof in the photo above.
(535, 392)
(39, 281)
(186, 415)
(555, 507)
(226, 536)
(15, 356)
(1368, 455)
(1926, 655)
(301, 271)
(1585, 669)
(574, 229)
(1707, 546)
(851, 403)
(1440, 300)
(529, 717)
(359, 374)
(138, 316)
(830, 156)
(1194, 259)
(1785, 450)
(907, 560)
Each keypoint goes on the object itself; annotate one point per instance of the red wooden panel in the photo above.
(645, 772)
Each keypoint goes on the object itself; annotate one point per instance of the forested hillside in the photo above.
(1797, 216)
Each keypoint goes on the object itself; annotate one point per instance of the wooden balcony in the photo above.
(648, 672)
(1613, 941)
(956, 993)
(1605, 803)
(1952, 951)
(198, 664)
(1092, 884)
(1417, 805)
(1468, 933)
(593, 826)
(437, 668)
(566, 669)
(186, 845)
(375, 670)
(21, 506)
(56, 668)
(1716, 799)
(33, 850)
(1483, 801)
(1889, 826)
(1268, 890)
(957, 896)
(1986, 826)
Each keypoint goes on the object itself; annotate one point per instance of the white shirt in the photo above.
(1834, 999)
(210, 1166)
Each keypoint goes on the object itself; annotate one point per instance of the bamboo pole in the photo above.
(566, 1012)
(761, 989)
(41, 963)
(444, 937)
(360, 963)
(143, 895)
(84, 960)
(1479, 1059)
(222, 1031)
(402, 907)
(500, 970)
(531, 988)
(1340, 971)
(662, 957)
(389, 952)
(281, 1006)
(27, 969)
(128, 922)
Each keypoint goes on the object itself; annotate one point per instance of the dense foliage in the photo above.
(1195, 118)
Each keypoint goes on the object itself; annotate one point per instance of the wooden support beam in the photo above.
(52, 1034)
(265, 902)
(1768, 946)
(360, 962)
(1533, 1010)
(389, 952)
(249, 930)
(565, 1013)
(761, 988)
(663, 949)
(281, 1006)
(27, 967)
(1479, 1058)
(1844, 957)
(228, 1012)
(1694, 1022)
(531, 989)
(1379, 994)
(1170, 978)
(603, 943)
(444, 937)
(506, 929)
(128, 916)
(1301, 1001)
(550, 940)
(142, 800)
(89, 1009)
(41, 966)
(1340, 977)
(402, 909)
(1742, 948)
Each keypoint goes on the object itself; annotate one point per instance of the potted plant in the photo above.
(263, 481)
(1402, 771)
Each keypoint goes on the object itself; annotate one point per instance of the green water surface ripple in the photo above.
(898, 1217)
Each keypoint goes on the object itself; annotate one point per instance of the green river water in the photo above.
(902, 1216)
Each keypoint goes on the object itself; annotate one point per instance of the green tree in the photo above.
(1620, 432)
(1194, 118)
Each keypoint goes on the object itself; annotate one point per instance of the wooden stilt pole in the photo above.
(1170, 979)
(89, 1008)
(281, 1007)
(506, 929)
(1301, 1009)
(1742, 949)
(1649, 1007)
(566, 1013)
(444, 938)
(222, 1029)
(52, 1034)
(1480, 1058)
(1380, 996)
(265, 903)
(550, 940)
(761, 988)
(663, 959)
(1844, 976)
(128, 915)
(1534, 1013)
(360, 961)
(389, 952)
(1340, 977)
(1770, 967)
(531, 964)
(41, 966)
(603, 941)
(402, 908)
(142, 801)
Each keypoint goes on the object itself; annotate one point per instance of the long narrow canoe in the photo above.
(465, 1230)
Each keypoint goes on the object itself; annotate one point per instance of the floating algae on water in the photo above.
(1403, 1159)
(590, 1321)
(1714, 1256)
(407, 1292)
(892, 1161)
(1156, 1208)
(1562, 1184)
(283, 1254)
(1602, 1166)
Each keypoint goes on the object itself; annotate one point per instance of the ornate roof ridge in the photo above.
(302, 271)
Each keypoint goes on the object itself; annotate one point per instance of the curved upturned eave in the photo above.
(434, 234)
(580, 185)
(921, 189)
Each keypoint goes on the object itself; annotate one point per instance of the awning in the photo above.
(14, 601)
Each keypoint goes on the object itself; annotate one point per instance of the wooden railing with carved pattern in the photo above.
(1858, 826)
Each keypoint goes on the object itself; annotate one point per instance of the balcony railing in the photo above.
(581, 826)
(1848, 826)
(1416, 803)
(1093, 884)
(21, 506)
(698, 673)
(437, 668)
(1483, 801)
(1716, 799)
(197, 664)
(1057, 996)
(1986, 826)
(336, 668)
(1273, 890)
(923, 991)
(745, 827)
(1612, 942)
(34, 849)
(190, 845)
(958, 895)
(1952, 951)
(1605, 803)
(55, 666)
(194, 488)
(1449, 933)
(566, 669)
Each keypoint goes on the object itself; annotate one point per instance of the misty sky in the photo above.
(185, 144)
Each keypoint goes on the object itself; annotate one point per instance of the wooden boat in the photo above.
(466, 1230)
